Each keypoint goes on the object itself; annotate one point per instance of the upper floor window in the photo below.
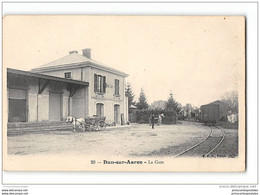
(99, 83)
(67, 75)
(116, 87)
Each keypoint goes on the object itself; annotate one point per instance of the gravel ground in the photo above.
(229, 146)
(202, 149)
(138, 140)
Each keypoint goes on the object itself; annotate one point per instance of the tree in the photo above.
(171, 111)
(230, 100)
(142, 102)
(159, 104)
(130, 94)
(172, 105)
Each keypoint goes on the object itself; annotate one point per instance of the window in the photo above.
(67, 75)
(100, 109)
(117, 87)
(99, 83)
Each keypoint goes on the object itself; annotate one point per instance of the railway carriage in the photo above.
(209, 114)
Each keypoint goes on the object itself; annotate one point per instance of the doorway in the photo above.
(116, 113)
(54, 106)
(17, 108)
(100, 110)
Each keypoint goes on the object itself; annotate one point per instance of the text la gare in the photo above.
(155, 162)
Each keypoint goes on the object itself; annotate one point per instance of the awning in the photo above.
(44, 80)
(47, 77)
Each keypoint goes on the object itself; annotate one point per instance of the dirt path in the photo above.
(131, 141)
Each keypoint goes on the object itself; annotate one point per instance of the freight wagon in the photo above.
(209, 114)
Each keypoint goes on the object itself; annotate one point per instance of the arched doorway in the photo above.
(100, 109)
(116, 113)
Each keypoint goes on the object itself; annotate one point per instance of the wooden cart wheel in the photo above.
(87, 127)
(91, 127)
(96, 127)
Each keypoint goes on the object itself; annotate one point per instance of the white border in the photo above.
(247, 9)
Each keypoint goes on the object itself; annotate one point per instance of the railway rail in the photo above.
(205, 147)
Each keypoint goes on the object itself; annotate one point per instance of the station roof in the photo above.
(75, 60)
(43, 76)
(216, 102)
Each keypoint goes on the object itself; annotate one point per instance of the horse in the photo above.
(77, 122)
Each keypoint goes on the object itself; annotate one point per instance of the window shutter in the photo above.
(116, 87)
(104, 84)
(95, 82)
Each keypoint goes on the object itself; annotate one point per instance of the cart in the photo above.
(156, 120)
(159, 120)
(95, 123)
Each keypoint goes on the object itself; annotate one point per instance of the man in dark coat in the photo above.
(152, 121)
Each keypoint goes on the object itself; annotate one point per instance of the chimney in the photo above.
(74, 51)
(86, 52)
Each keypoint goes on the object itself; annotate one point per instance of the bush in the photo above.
(181, 117)
(223, 118)
(142, 116)
(170, 117)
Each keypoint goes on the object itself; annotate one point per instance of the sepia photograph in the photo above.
(124, 93)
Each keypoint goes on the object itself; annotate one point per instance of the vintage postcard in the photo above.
(124, 93)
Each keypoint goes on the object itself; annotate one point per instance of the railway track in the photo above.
(205, 147)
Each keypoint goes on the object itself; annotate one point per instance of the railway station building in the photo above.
(74, 85)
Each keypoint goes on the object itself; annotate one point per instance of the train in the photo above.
(209, 114)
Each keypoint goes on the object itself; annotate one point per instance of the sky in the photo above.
(196, 58)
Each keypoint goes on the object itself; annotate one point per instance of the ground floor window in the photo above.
(100, 109)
